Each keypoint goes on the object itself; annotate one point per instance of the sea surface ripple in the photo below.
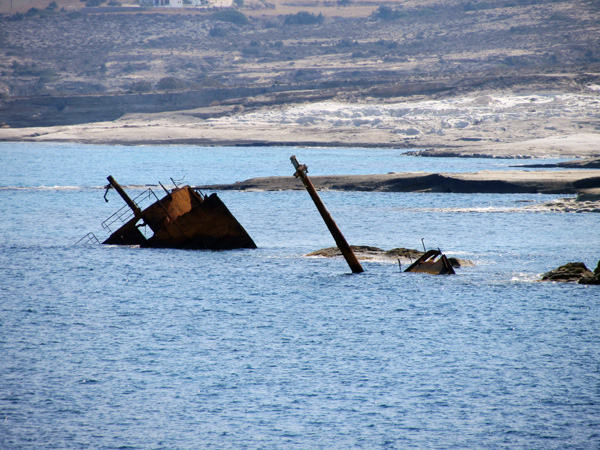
(113, 347)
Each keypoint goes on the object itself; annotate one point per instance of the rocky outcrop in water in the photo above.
(586, 163)
(587, 201)
(368, 253)
(490, 182)
(574, 272)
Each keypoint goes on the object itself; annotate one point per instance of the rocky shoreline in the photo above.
(369, 253)
(583, 184)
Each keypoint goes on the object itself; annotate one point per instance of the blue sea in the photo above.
(107, 347)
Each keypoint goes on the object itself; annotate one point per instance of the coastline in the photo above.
(582, 186)
(484, 124)
(490, 182)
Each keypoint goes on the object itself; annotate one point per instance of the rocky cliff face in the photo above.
(75, 109)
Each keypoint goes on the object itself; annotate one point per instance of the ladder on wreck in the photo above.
(88, 239)
(125, 214)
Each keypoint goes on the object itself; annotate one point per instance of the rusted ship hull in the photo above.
(183, 219)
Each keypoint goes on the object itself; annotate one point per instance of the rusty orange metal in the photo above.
(184, 218)
(338, 237)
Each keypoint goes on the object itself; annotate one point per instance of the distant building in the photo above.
(186, 3)
(164, 3)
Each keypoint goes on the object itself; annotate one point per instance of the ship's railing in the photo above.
(89, 238)
(125, 214)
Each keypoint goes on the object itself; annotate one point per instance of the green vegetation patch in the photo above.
(303, 18)
(231, 16)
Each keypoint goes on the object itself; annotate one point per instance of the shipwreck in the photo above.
(184, 218)
(433, 262)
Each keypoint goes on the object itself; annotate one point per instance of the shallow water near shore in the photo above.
(117, 347)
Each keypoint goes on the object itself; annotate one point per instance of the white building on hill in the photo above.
(163, 3)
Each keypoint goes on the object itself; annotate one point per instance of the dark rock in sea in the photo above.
(588, 195)
(594, 279)
(569, 273)
(585, 163)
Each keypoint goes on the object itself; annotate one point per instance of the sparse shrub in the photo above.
(345, 43)
(590, 56)
(93, 3)
(559, 17)
(114, 3)
(519, 29)
(515, 61)
(16, 16)
(171, 84)
(209, 82)
(251, 51)
(130, 68)
(425, 12)
(217, 32)
(52, 6)
(139, 87)
(387, 44)
(273, 23)
(48, 75)
(388, 13)
(32, 70)
(231, 16)
(32, 11)
(303, 18)
(306, 74)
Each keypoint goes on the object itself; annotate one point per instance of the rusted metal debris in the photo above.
(340, 240)
(184, 218)
(433, 262)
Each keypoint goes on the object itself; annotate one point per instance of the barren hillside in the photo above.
(126, 59)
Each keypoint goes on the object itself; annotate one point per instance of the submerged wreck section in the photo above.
(340, 240)
(184, 218)
(433, 262)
